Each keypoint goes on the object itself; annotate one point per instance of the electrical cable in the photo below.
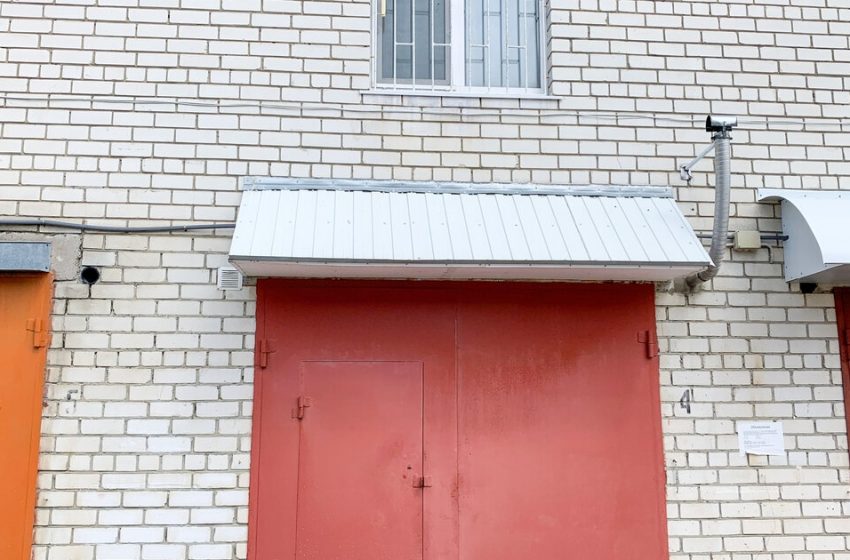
(337, 108)
(50, 100)
(111, 229)
(24, 222)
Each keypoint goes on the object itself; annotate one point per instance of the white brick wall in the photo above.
(146, 431)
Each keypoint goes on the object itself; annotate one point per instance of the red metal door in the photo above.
(360, 449)
(559, 424)
(356, 351)
(539, 422)
(842, 311)
(24, 316)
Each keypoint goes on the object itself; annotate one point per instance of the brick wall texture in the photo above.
(147, 112)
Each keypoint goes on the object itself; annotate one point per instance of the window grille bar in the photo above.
(504, 49)
(522, 38)
(486, 52)
(413, 39)
(395, 41)
(469, 52)
(541, 10)
(467, 48)
(432, 19)
(456, 36)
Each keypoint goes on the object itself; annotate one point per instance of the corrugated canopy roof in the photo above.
(409, 230)
(817, 224)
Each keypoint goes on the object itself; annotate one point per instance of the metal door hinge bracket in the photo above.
(650, 340)
(39, 337)
(264, 348)
(301, 407)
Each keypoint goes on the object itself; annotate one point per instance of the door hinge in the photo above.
(650, 340)
(301, 407)
(39, 337)
(264, 348)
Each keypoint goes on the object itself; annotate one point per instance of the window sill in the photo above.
(425, 98)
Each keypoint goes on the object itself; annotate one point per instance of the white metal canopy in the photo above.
(354, 229)
(817, 224)
(29, 256)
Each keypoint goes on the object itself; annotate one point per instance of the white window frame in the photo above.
(457, 70)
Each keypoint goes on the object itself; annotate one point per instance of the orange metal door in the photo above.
(24, 314)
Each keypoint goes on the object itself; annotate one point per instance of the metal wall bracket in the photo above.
(685, 170)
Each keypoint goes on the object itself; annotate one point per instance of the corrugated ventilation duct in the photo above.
(721, 127)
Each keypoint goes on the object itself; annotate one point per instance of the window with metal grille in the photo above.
(461, 45)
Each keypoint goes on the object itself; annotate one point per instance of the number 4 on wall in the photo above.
(685, 401)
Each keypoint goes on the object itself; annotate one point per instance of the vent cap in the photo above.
(229, 278)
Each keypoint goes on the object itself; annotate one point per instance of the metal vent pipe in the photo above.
(721, 126)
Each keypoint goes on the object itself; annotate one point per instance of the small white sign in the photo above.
(761, 438)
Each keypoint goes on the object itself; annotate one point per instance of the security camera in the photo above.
(716, 123)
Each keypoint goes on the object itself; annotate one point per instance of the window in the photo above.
(459, 45)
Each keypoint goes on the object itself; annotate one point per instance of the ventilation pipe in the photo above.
(721, 128)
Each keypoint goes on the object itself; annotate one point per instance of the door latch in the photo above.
(422, 482)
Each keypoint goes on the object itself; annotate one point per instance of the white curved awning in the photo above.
(817, 224)
(369, 229)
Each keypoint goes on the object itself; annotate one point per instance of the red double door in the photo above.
(469, 421)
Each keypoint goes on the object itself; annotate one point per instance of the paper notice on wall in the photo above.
(761, 438)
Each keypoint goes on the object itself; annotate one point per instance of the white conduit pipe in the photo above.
(720, 231)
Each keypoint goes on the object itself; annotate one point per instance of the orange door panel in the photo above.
(24, 315)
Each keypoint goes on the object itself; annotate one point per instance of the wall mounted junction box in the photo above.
(747, 240)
